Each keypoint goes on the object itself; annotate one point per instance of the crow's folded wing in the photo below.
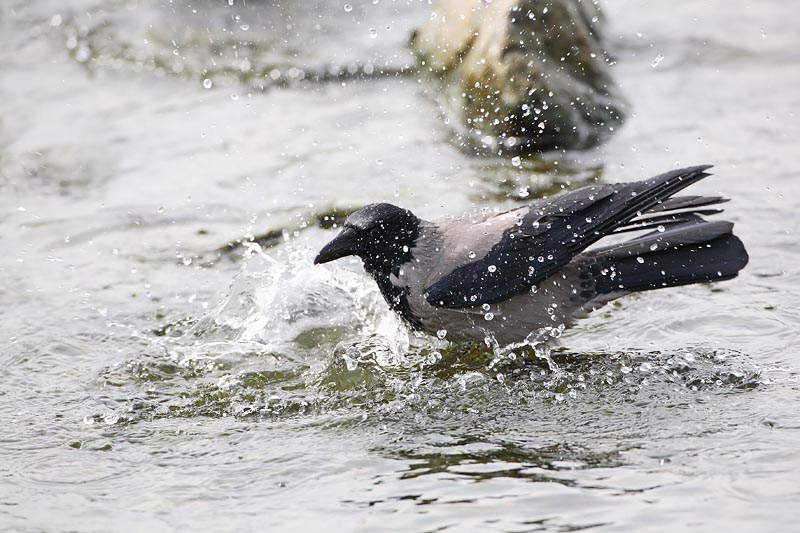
(542, 238)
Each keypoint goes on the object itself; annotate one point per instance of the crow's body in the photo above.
(511, 274)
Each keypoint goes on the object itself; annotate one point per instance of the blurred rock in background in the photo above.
(528, 74)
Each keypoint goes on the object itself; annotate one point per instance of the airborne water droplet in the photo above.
(492, 268)
(640, 260)
(659, 58)
(348, 8)
(207, 83)
(488, 316)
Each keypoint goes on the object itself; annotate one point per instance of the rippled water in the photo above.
(159, 375)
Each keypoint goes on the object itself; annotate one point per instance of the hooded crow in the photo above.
(510, 275)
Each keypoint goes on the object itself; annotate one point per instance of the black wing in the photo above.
(552, 232)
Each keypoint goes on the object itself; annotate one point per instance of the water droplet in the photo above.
(88, 420)
(111, 418)
(661, 229)
(653, 247)
(373, 33)
(442, 333)
(659, 58)
(492, 268)
(207, 83)
(486, 307)
(83, 54)
(516, 161)
(187, 261)
(640, 260)
(348, 8)
(471, 255)
(234, 97)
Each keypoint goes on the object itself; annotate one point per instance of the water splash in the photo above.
(294, 340)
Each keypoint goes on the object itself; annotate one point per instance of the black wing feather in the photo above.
(552, 232)
(669, 219)
(684, 202)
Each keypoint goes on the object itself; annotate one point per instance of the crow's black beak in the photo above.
(346, 243)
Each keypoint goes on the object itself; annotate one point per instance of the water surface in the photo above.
(157, 378)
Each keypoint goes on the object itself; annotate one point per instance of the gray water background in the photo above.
(153, 382)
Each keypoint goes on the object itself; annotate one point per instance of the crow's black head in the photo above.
(380, 234)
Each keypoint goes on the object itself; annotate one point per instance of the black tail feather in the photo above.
(694, 252)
